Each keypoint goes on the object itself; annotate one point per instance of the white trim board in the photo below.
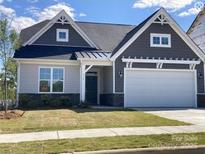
(52, 22)
(58, 31)
(48, 61)
(152, 45)
(51, 80)
(174, 25)
(165, 61)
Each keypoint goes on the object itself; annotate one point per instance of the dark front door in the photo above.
(91, 88)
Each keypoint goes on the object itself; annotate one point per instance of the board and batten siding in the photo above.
(108, 80)
(141, 48)
(29, 78)
(74, 38)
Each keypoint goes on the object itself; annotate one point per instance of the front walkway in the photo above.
(106, 132)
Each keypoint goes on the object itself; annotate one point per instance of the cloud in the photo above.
(21, 22)
(6, 11)
(1, 1)
(189, 12)
(172, 5)
(53, 10)
(82, 15)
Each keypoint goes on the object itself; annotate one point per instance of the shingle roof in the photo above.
(27, 33)
(105, 36)
(108, 37)
(49, 52)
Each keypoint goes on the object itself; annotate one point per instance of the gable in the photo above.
(141, 46)
(196, 31)
(62, 18)
(163, 18)
(49, 37)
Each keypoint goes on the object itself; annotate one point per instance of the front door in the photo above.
(92, 88)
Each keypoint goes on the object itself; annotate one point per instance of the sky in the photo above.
(25, 13)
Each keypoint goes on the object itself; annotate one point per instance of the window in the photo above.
(62, 35)
(160, 40)
(51, 80)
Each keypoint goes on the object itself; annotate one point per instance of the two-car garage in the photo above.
(159, 88)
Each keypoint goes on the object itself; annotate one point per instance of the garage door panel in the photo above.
(153, 88)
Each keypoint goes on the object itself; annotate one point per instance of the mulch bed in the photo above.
(11, 114)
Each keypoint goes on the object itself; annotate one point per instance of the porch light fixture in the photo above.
(120, 74)
(200, 75)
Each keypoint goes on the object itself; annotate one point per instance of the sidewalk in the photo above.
(105, 132)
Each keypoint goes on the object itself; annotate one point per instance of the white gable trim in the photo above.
(52, 22)
(173, 24)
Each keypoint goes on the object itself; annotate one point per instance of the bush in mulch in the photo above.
(11, 114)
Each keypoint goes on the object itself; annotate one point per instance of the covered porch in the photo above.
(96, 76)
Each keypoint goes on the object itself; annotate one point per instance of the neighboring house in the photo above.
(197, 30)
(154, 64)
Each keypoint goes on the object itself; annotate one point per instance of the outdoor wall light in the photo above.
(120, 74)
(200, 75)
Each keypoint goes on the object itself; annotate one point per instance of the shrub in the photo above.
(65, 100)
(45, 99)
(34, 104)
(55, 103)
(24, 99)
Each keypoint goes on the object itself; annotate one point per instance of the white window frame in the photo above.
(58, 39)
(51, 80)
(152, 35)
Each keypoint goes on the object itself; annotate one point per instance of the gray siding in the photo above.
(29, 78)
(49, 37)
(141, 47)
(108, 80)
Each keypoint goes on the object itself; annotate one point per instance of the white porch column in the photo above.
(82, 82)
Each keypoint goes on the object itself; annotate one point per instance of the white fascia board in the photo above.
(96, 62)
(161, 61)
(48, 61)
(52, 22)
(174, 25)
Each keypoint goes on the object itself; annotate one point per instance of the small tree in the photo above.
(9, 42)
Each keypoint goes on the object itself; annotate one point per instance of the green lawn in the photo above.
(65, 119)
(105, 143)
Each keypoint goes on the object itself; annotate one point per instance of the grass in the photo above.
(66, 119)
(105, 143)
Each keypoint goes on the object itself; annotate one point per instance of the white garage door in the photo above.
(159, 88)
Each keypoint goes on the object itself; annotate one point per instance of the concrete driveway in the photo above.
(193, 116)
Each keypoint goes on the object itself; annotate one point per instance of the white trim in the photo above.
(113, 77)
(18, 81)
(174, 25)
(168, 70)
(58, 39)
(52, 22)
(96, 62)
(51, 80)
(134, 60)
(48, 61)
(152, 35)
